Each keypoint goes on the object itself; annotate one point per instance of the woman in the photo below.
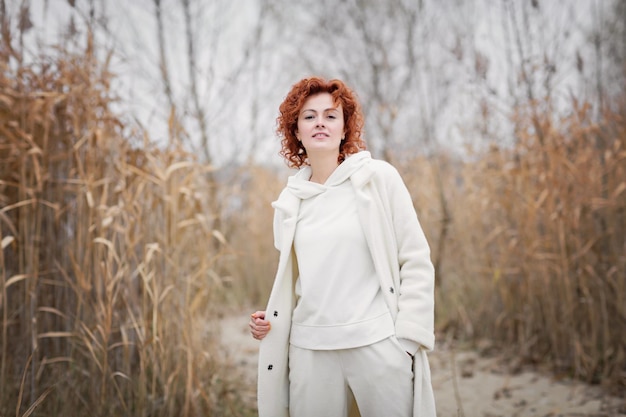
(351, 311)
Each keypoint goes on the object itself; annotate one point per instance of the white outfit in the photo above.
(401, 259)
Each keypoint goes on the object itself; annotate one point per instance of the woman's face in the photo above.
(320, 125)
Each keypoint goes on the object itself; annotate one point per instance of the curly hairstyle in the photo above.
(292, 149)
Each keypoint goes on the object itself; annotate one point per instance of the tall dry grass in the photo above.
(535, 259)
(110, 265)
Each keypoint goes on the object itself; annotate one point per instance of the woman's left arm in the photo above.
(416, 300)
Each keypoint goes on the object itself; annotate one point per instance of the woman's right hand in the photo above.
(259, 327)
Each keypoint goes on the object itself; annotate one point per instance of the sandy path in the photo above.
(474, 387)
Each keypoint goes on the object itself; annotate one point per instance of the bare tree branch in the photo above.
(164, 70)
(167, 85)
(198, 109)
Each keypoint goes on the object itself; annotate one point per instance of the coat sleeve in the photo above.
(276, 227)
(278, 219)
(416, 301)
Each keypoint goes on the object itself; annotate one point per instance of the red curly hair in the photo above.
(292, 149)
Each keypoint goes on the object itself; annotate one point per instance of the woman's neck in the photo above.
(322, 168)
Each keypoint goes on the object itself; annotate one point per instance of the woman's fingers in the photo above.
(259, 327)
(258, 315)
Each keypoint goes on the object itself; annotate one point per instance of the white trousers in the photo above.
(379, 376)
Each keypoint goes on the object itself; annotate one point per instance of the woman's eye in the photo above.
(308, 117)
(332, 116)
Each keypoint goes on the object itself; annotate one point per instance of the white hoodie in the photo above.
(340, 304)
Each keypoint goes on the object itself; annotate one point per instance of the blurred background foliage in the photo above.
(138, 163)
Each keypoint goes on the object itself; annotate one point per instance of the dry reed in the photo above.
(536, 258)
(109, 266)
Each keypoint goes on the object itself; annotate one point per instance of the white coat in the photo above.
(401, 257)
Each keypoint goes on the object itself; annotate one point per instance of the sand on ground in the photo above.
(465, 383)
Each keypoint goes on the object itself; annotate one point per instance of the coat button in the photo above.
(275, 313)
(391, 290)
(269, 368)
